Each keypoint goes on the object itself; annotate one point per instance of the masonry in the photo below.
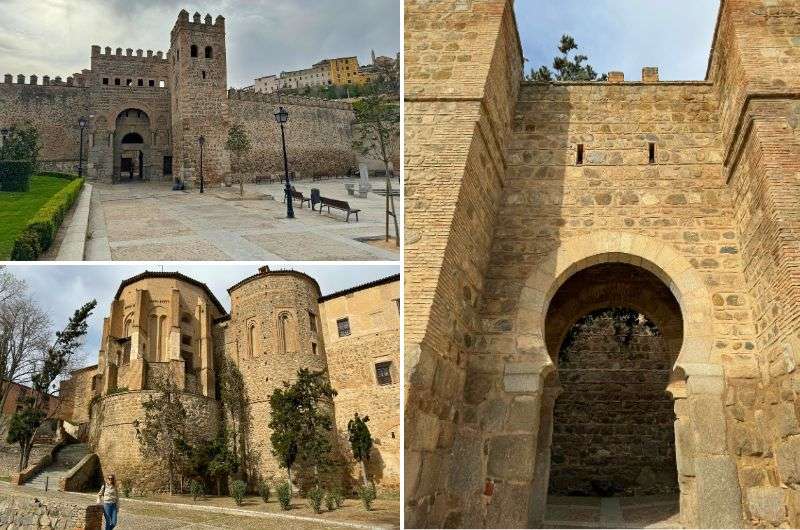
(169, 325)
(692, 183)
(147, 110)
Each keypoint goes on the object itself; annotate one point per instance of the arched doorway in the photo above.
(613, 332)
(132, 146)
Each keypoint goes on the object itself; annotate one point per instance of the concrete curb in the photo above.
(74, 243)
(250, 513)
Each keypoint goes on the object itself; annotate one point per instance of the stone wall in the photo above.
(318, 136)
(21, 509)
(76, 393)
(9, 456)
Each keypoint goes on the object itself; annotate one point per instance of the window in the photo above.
(579, 160)
(186, 318)
(204, 74)
(314, 348)
(251, 338)
(383, 373)
(161, 84)
(193, 50)
(186, 340)
(312, 321)
(151, 83)
(128, 82)
(343, 326)
(209, 53)
(651, 147)
(132, 138)
(140, 82)
(105, 80)
(116, 81)
(397, 303)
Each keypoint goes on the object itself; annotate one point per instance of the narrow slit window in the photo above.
(204, 74)
(651, 153)
(579, 158)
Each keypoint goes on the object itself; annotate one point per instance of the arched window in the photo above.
(132, 138)
(209, 53)
(251, 338)
(193, 50)
(287, 333)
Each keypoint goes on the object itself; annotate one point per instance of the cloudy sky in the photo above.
(62, 289)
(625, 35)
(263, 36)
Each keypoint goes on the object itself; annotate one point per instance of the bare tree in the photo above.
(10, 286)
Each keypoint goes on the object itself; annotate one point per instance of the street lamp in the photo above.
(202, 142)
(282, 116)
(82, 124)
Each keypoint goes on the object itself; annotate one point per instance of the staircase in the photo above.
(66, 458)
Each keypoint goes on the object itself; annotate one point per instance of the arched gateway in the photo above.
(132, 146)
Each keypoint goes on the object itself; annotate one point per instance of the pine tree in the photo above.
(360, 442)
(567, 69)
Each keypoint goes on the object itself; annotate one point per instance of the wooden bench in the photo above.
(297, 196)
(337, 205)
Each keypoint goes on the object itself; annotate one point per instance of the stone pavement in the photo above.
(649, 511)
(148, 221)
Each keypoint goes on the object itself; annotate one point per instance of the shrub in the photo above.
(315, 497)
(41, 229)
(196, 489)
(338, 498)
(15, 175)
(284, 493)
(56, 174)
(330, 501)
(367, 494)
(126, 488)
(264, 491)
(238, 489)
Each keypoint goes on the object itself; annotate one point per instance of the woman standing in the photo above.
(109, 498)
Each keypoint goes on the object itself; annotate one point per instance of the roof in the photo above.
(265, 271)
(173, 276)
(363, 286)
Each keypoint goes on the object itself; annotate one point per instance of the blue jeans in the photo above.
(110, 511)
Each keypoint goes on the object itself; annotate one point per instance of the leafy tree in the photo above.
(301, 422)
(21, 143)
(238, 143)
(222, 461)
(377, 121)
(567, 69)
(360, 442)
(234, 398)
(53, 365)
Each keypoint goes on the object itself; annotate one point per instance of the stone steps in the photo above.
(66, 458)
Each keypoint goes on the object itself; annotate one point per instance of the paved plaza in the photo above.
(148, 221)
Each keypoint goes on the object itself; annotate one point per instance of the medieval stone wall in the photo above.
(318, 136)
(76, 393)
(374, 318)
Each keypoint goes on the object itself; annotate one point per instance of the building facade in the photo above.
(146, 112)
(168, 326)
(532, 205)
(328, 72)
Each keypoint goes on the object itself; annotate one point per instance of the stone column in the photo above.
(541, 471)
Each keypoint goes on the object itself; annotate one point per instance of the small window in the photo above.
(383, 373)
(314, 348)
(343, 326)
(209, 52)
(140, 82)
(116, 81)
(129, 82)
(204, 74)
(186, 340)
(151, 83)
(392, 435)
(178, 54)
(397, 303)
(161, 84)
(193, 50)
(105, 80)
(312, 321)
(651, 147)
(579, 159)
(186, 318)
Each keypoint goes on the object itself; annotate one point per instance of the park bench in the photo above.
(265, 178)
(337, 205)
(298, 196)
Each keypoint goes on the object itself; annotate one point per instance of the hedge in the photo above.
(15, 175)
(56, 174)
(41, 229)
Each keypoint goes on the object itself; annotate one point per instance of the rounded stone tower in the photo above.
(273, 331)
(158, 330)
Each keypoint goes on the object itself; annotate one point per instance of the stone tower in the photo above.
(199, 101)
(274, 330)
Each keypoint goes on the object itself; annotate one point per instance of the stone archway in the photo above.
(706, 472)
(132, 146)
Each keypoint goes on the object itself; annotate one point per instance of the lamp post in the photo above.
(282, 116)
(202, 142)
(82, 124)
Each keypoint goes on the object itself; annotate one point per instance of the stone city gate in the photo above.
(706, 473)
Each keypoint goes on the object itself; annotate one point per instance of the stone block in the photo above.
(719, 499)
(767, 504)
(511, 457)
(508, 508)
(740, 366)
(708, 421)
(466, 454)
(524, 414)
(787, 460)
(785, 418)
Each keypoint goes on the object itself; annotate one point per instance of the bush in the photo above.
(126, 488)
(196, 489)
(15, 175)
(264, 491)
(284, 493)
(238, 489)
(367, 494)
(338, 498)
(315, 498)
(56, 174)
(330, 501)
(41, 229)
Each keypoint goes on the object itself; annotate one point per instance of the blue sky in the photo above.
(60, 289)
(625, 35)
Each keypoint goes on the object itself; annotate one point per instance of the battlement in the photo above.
(149, 55)
(199, 23)
(75, 80)
(249, 95)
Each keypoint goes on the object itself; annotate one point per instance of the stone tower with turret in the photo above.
(199, 100)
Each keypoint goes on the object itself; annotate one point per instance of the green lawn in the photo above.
(17, 208)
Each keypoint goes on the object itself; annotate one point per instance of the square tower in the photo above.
(199, 98)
